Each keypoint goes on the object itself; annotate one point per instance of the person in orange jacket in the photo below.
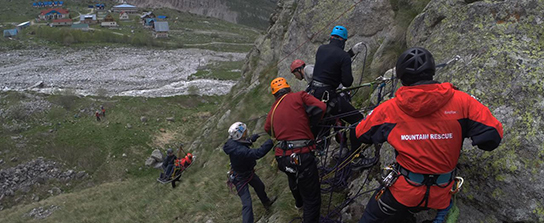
(426, 123)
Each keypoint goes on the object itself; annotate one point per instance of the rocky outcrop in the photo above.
(21, 179)
(500, 45)
(501, 49)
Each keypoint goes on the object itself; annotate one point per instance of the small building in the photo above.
(53, 14)
(149, 22)
(124, 16)
(10, 32)
(125, 8)
(109, 18)
(80, 26)
(161, 29)
(61, 22)
(109, 24)
(88, 19)
(23, 25)
(100, 6)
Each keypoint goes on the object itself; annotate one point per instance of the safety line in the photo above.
(312, 37)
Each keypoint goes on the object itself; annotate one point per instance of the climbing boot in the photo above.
(271, 201)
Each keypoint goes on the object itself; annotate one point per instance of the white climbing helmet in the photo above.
(236, 130)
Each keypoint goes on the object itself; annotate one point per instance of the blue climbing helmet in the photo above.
(340, 31)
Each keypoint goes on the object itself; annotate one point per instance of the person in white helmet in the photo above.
(243, 161)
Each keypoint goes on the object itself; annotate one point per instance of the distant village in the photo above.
(55, 14)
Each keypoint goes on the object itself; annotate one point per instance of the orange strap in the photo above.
(272, 117)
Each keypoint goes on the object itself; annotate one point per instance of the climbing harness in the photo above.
(390, 174)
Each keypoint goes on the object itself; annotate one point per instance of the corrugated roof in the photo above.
(59, 10)
(83, 17)
(24, 23)
(124, 6)
(146, 14)
(161, 27)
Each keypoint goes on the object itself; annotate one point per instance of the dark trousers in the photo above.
(242, 181)
(304, 185)
(338, 105)
(387, 209)
(168, 170)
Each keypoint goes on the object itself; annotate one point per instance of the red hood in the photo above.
(422, 100)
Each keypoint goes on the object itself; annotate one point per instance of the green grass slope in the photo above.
(186, 30)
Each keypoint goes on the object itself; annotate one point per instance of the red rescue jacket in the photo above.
(290, 119)
(426, 124)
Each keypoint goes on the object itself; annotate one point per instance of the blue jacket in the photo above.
(242, 158)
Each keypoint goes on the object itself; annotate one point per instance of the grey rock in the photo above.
(55, 191)
(150, 161)
(81, 175)
(143, 119)
(128, 126)
(170, 119)
(14, 159)
(157, 155)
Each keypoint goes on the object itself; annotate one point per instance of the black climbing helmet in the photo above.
(415, 64)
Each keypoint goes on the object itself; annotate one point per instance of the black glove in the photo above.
(254, 137)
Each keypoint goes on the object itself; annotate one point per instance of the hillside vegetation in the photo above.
(186, 30)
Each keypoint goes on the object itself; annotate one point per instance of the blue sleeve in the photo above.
(256, 153)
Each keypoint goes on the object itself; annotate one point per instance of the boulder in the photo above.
(157, 155)
(150, 161)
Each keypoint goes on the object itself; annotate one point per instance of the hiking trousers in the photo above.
(305, 185)
(242, 182)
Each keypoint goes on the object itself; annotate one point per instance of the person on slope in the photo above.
(243, 161)
(332, 68)
(289, 122)
(426, 123)
(168, 165)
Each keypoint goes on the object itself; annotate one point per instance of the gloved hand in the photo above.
(254, 137)
(358, 47)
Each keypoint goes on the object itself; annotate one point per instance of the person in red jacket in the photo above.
(426, 124)
(289, 122)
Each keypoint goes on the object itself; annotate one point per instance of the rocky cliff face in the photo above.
(251, 13)
(500, 44)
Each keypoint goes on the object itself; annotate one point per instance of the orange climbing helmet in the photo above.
(278, 84)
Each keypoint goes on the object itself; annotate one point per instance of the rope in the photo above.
(312, 37)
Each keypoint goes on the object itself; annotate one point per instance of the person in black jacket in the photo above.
(243, 161)
(332, 68)
(168, 165)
